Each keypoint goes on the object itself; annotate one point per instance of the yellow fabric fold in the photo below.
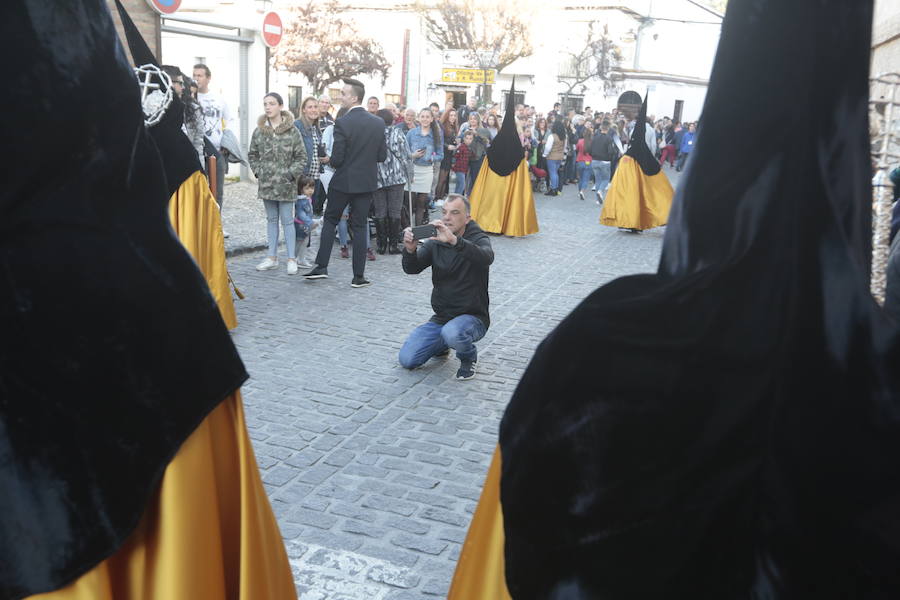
(208, 533)
(196, 220)
(504, 204)
(480, 572)
(636, 200)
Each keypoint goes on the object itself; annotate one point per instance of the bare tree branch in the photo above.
(599, 58)
(321, 45)
(492, 36)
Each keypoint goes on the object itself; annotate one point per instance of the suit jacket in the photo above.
(358, 148)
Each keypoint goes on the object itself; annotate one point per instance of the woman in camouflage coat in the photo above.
(277, 157)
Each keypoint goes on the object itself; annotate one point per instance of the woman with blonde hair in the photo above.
(426, 145)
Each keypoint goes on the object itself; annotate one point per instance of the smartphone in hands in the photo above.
(423, 232)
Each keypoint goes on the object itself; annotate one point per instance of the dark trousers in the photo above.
(474, 168)
(359, 214)
(318, 199)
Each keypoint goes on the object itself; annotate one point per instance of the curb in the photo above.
(244, 250)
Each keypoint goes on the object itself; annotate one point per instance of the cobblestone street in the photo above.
(374, 471)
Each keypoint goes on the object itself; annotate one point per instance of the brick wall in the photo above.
(146, 19)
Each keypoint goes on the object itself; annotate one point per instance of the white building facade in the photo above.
(668, 47)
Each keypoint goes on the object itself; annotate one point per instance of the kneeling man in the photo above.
(459, 256)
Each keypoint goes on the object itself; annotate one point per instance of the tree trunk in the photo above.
(486, 93)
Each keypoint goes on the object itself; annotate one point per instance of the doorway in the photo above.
(458, 98)
(679, 108)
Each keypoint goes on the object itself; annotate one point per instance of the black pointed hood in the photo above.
(178, 154)
(506, 152)
(728, 426)
(638, 150)
(112, 348)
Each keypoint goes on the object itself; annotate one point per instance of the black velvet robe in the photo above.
(729, 427)
(112, 349)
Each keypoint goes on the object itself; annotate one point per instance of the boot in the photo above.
(302, 251)
(381, 234)
(394, 245)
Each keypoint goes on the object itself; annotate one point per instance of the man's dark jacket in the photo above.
(459, 274)
(358, 148)
(603, 147)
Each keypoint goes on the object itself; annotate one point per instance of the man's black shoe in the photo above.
(317, 272)
(466, 370)
(443, 353)
(359, 282)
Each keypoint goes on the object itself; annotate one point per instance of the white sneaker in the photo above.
(291, 266)
(225, 234)
(268, 264)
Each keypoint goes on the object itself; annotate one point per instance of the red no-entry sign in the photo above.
(164, 7)
(271, 29)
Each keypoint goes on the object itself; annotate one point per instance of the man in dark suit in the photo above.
(358, 148)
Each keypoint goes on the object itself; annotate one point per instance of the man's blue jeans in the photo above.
(428, 339)
(601, 170)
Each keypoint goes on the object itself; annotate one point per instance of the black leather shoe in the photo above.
(359, 282)
(317, 272)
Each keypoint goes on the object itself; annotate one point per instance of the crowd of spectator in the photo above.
(432, 152)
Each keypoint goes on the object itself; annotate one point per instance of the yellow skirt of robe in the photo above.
(504, 204)
(195, 218)
(480, 571)
(636, 200)
(208, 533)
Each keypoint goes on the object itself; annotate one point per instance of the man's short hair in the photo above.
(434, 104)
(357, 88)
(205, 69)
(452, 197)
(386, 115)
(375, 98)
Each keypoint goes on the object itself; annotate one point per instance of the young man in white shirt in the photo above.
(217, 118)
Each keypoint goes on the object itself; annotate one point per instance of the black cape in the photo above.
(112, 349)
(728, 427)
(506, 152)
(638, 149)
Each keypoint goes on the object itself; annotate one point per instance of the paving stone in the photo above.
(419, 543)
(352, 526)
(339, 458)
(408, 525)
(386, 504)
(317, 474)
(395, 576)
(278, 476)
(444, 516)
(313, 518)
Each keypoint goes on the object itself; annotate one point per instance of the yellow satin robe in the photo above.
(196, 220)
(504, 204)
(636, 200)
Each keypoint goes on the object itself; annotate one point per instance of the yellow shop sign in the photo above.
(468, 75)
